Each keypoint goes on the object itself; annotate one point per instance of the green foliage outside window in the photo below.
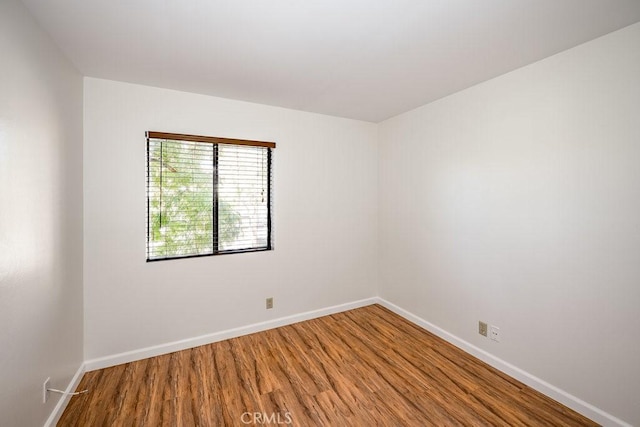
(181, 220)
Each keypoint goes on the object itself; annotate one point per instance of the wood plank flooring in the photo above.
(363, 367)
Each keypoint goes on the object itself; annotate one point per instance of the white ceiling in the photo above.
(362, 59)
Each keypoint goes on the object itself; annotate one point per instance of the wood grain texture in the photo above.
(209, 139)
(362, 367)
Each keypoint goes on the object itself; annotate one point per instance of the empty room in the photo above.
(319, 213)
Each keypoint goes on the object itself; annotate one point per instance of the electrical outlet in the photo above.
(45, 390)
(495, 333)
(482, 328)
(269, 303)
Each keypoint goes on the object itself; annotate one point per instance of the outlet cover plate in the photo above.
(269, 303)
(495, 333)
(45, 391)
(482, 328)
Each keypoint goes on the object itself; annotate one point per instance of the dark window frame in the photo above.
(269, 146)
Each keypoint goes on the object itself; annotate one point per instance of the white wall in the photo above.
(517, 202)
(40, 218)
(325, 198)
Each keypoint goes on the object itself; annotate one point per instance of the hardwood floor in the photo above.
(362, 367)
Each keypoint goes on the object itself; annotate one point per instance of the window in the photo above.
(207, 196)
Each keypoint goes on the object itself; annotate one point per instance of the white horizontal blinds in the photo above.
(206, 197)
(243, 199)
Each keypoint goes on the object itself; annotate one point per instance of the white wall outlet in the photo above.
(45, 390)
(495, 333)
(269, 303)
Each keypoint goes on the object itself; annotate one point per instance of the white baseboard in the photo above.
(157, 350)
(64, 399)
(578, 405)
